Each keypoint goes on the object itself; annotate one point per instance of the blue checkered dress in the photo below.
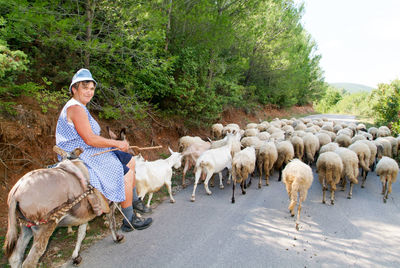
(106, 171)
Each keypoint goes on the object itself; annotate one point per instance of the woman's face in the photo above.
(85, 92)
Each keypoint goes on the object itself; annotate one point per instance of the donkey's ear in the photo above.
(170, 150)
(112, 134)
(122, 134)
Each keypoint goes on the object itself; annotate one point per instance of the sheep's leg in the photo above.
(76, 258)
(364, 177)
(41, 237)
(344, 182)
(386, 193)
(208, 177)
(388, 188)
(242, 185)
(221, 185)
(233, 190)
(351, 190)
(171, 198)
(298, 216)
(229, 176)
(212, 181)
(16, 257)
(149, 199)
(260, 179)
(333, 189)
(248, 184)
(383, 187)
(196, 180)
(324, 188)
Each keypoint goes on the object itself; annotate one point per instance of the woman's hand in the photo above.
(123, 146)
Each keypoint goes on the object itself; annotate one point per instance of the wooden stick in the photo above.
(134, 147)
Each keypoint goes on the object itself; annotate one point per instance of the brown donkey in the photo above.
(46, 198)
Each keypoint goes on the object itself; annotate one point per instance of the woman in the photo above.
(112, 173)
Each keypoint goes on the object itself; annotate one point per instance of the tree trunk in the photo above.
(168, 26)
(89, 22)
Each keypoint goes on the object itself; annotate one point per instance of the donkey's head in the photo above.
(120, 137)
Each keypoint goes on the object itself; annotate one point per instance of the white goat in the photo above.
(152, 175)
(214, 161)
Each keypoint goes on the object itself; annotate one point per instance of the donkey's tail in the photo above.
(12, 231)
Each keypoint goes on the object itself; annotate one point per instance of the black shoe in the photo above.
(138, 206)
(137, 223)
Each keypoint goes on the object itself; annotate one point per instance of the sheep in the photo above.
(190, 156)
(394, 145)
(361, 126)
(311, 146)
(297, 178)
(373, 131)
(216, 130)
(387, 170)
(230, 128)
(262, 127)
(186, 141)
(264, 136)
(266, 158)
(383, 131)
(152, 175)
(350, 168)
(285, 154)
(251, 125)
(386, 145)
(373, 150)
(251, 132)
(250, 141)
(367, 135)
(337, 128)
(323, 138)
(363, 153)
(330, 133)
(345, 131)
(358, 137)
(213, 161)
(298, 146)
(329, 168)
(330, 147)
(243, 164)
(343, 140)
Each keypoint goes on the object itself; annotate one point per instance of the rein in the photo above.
(59, 212)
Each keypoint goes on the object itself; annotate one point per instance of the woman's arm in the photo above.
(77, 115)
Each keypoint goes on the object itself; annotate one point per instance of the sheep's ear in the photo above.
(170, 150)
(112, 134)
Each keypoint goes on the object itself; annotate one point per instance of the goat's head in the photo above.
(176, 158)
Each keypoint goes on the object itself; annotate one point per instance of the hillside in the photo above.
(352, 87)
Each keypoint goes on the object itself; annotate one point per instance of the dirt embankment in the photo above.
(27, 139)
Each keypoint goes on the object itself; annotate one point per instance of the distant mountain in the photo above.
(351, 87)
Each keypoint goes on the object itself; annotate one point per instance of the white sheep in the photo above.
(216, 130)
(297, 178)
(329, 168)
(186, 141)
(373, 131)
(364, 154)
(323, 138)
(330, 147)
(343, 140)
(373, 150)
(311, 147)
(387, 169)
(243, 164)
(213, 161)
(266, 158)
(350, 168)
(298, 146)
(394, 144)
(285, 154)
(383, 131)
(251, 132)
(152, 175)
(386, 146)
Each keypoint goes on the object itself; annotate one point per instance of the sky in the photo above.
(359, 40)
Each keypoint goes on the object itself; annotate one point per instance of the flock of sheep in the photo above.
(291, 146)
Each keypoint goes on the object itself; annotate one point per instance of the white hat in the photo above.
(82, 75)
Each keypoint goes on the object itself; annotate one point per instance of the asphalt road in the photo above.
(257, 231)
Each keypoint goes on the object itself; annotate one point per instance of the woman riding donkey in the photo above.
(112, 173)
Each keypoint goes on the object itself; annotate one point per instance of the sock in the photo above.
(135, 196)
(128, 212)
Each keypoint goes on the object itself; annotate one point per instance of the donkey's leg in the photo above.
(16, 257)
(41, 235)
(76, 258)
(113, 225)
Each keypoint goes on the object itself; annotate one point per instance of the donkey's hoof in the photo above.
(76, 261)
(120, 238)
